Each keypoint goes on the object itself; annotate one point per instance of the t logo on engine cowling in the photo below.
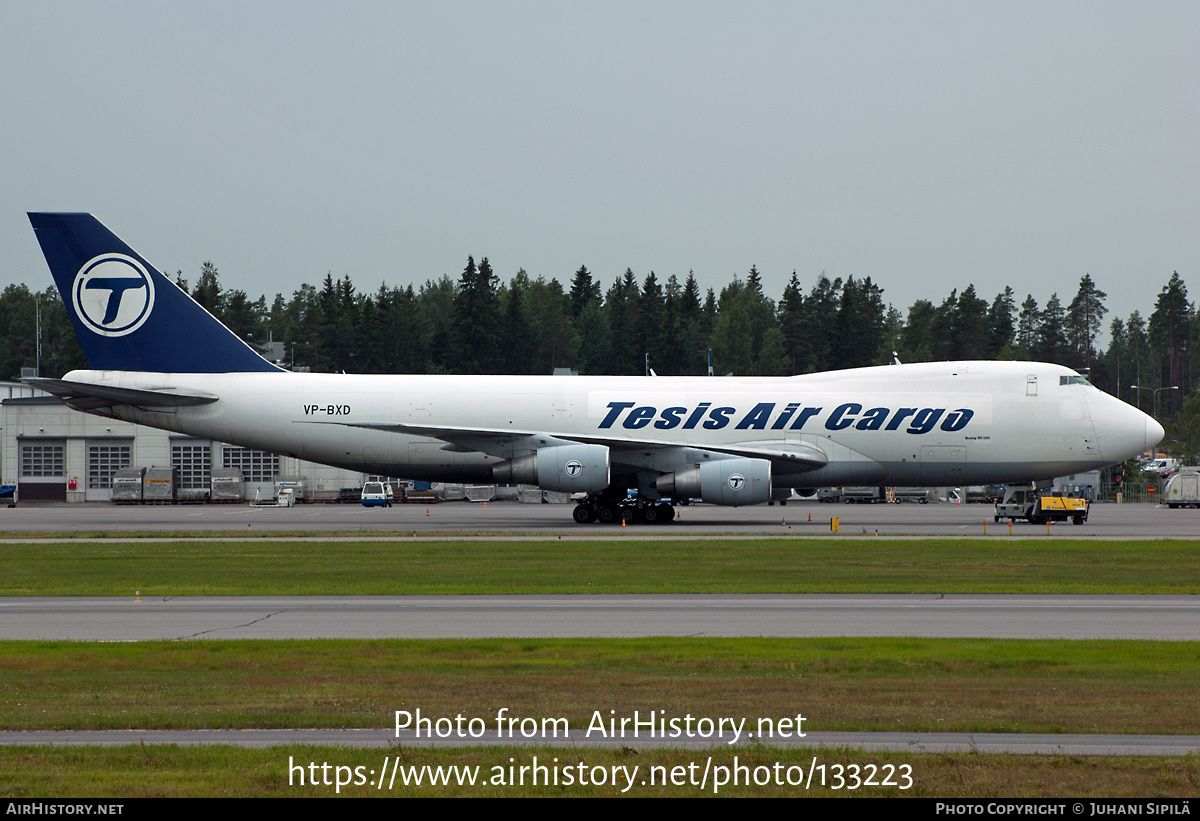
(736, 481)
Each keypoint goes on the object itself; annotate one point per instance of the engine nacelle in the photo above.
(738, 481)
(566, 468)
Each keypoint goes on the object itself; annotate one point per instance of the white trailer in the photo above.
(1183, 489)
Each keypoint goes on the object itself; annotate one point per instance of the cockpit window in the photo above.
(1073, 380)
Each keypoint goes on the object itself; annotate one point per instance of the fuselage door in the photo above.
(943, 465)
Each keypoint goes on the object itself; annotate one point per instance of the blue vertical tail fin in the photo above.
(127, 315)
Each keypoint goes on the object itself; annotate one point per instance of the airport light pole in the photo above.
(1156, 392)
(1171, 388)
(1140, 388)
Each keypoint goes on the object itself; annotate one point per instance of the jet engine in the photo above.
(737, 481)
(567, 468)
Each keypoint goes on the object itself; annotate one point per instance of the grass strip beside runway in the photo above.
(950, 685)
(245, 567)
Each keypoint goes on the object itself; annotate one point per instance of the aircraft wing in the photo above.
(87, 397)
(506, 443)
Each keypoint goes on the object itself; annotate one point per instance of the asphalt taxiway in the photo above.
(809, 518)
(1023, 743)
(373, 617)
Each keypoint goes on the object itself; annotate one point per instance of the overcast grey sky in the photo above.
(927, 145)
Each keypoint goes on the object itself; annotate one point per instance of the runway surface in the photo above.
(304, 617)
(1132, 521)
(1023, 743)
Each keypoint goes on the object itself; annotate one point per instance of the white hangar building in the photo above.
(53, 453)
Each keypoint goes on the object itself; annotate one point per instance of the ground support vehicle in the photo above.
(1038, 508)
(920, 495)
(376, 494)
(864, 495)
(1183, 489)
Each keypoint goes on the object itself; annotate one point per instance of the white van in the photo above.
(1163, 467)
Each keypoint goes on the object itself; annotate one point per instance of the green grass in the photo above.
(244, 567)
(959, 685)
(837, 684)
(132, 772)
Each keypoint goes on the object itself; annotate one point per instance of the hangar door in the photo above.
(43, 471)
(105, 458)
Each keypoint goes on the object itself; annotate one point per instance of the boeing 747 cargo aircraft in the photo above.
(157, 358)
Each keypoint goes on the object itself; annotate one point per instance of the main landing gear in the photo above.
(609, 511)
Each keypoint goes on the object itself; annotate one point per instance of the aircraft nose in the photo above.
(1154, 432)
(1123, 430)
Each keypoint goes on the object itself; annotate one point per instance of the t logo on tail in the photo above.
(113, 294)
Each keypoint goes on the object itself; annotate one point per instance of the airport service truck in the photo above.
(1183, 489)
(1039, 508)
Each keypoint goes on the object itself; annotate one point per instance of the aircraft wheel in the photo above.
(607, 514)
(651, 514)
(584, 514)
(627, 515)
(666, 514)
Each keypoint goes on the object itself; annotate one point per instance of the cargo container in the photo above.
(159, 484)
(127, 485)
(228, 485)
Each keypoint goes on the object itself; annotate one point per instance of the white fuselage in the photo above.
(925, 424)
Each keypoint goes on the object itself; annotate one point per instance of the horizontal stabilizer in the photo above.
(85, 396)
